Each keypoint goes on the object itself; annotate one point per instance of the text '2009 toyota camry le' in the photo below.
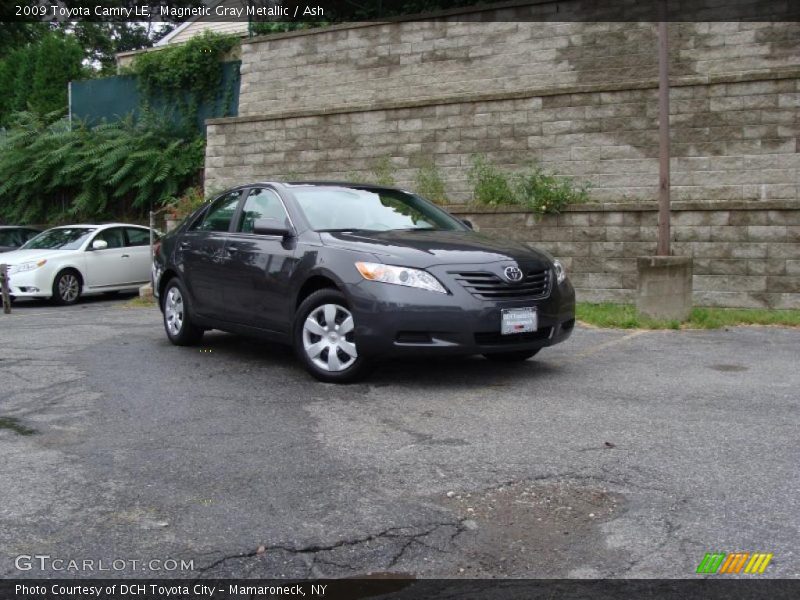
(349, 274)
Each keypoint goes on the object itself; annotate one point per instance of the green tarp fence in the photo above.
(113, 98)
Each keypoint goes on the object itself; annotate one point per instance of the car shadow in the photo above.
(444, 372)
(83, 302)
(455, 372)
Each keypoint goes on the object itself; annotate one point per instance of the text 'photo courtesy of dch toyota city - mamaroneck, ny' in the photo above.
(400, 299)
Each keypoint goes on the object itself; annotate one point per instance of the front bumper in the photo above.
(393, 320)
(31, 284)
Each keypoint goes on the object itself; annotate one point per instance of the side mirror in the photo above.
(99, 245)
(468, 223)
(271, 227)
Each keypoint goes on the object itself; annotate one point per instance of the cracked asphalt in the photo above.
(616, 454)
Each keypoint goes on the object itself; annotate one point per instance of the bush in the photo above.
(535, 189)
(50, 171)
(429, 183)
(489, 185)
(544, 192)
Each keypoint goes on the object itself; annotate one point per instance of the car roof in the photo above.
(98, 226)
(291, 184)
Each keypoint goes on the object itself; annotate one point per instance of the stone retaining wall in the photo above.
(745, 254)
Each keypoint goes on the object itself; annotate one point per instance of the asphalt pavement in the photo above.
(615, 454)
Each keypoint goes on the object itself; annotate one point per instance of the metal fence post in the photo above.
(4, 286)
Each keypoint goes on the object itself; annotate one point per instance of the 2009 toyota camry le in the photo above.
(349, 274)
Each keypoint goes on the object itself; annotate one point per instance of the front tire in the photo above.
(178, 320)
(67, 287)
(513, 356)
(324, 338)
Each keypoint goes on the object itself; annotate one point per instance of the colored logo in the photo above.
(736, 562)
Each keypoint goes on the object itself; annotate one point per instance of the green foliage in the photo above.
(545, 192)
(489, 184)
(185, 75)
(186, 203)
(383, 172)
(429, 183)
(35, 77)
(268, 27)
(51, 172)
(625, 316)
(535, 189)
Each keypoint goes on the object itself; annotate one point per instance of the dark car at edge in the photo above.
(350, 274)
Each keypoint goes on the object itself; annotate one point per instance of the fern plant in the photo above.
(51, 171)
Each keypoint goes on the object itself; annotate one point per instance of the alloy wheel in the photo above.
(328, 337)
(68, 287)
(173, 311)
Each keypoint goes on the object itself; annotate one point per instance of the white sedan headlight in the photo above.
(561, 272)
(27, 266)
(400, 276)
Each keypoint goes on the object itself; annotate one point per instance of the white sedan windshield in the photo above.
(62, 238)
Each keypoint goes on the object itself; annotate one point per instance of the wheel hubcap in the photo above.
(328, 337)
(68, 287)
(173, 311)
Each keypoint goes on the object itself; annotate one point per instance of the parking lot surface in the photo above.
(615, 454)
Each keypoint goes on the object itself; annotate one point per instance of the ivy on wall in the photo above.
(185, 75)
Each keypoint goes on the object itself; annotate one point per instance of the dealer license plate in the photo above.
(518, 320)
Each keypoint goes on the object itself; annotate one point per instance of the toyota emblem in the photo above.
(513, 274)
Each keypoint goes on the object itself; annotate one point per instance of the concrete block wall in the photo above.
(731, 141)
(424, 60)
(744, 254)
(580, 98)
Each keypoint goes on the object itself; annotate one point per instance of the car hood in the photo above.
(16, 257)
(432, 248)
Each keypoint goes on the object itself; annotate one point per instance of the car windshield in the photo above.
(63, 238)
(362, 209)
(8, 237)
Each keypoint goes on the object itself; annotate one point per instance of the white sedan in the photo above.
(64, 263)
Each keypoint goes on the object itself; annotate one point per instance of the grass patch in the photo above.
(624, 316)
(140, 302)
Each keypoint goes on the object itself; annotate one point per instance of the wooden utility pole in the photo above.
(4, 287)
(663, 131)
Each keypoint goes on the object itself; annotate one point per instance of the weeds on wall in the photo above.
(50, 172)
(535, 189)
(429, 183)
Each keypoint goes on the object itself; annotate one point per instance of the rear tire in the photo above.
(324, 338)
(67, 287)
(511, 357)
(178, 319)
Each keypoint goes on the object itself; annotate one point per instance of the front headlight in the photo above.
(561, 272)
(400, 276)
(27, 266)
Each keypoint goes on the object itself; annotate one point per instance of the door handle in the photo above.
(184, 245)
(231, 249)
(126, 256)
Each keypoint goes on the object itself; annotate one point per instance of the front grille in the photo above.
(490, 339)
(489, 286)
